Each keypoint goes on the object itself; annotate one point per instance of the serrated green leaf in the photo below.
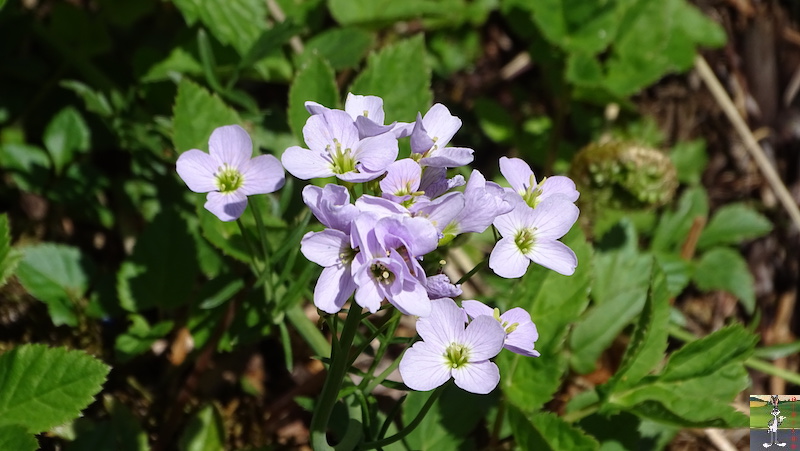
(547, 432)
(703, 356)
(66, 135)
(270, 41)
(57, 275)
(179, 62)
(204, 432)
(342, 47)
(42, 387)
(673, 227)
(725, 269)
(578, 26)
(665, 404)
(677, 271)
(399, 74)
(649, 340)
(237, 23)
(15, 437)
(196, 114)
(314, 82)
(9, 258)
(732, 224)
(162, 269)
(617, 300)
(554, 302)
(690, 160)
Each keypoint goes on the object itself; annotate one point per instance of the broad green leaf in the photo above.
(121, 432)
(9, 258)
(703, 356)
(649, 340)
(399, 74)
(204, 432)
(584, 69)
(350, 12)
(196, 114)
(677, 271)
(29, 166)
(162, 269)
(237, 23)
(732, 224)
(179, 62)
(270, 41)
(342, 47)
(15, 437)
(617, 300)
(690, 160)
(673, 227)
(42, 387)
(725, 269)
(66, 135)
(577, 25)
(665, 404)
(57, 275)
(495, 121)
(314, 82)
(546, 431)
(554, 302)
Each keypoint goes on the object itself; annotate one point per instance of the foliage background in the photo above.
(112, 255)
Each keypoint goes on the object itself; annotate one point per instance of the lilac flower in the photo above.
(331, 249)
(367, 113)
(439, 286)
(335, 149)
(450, 350)
(386, 265)
(483, 202)
(401, 181)
(521, 333)
(523, 182)
(434, 182)
(227, 173)
(432, 133)
(331, 205)
(531, 234)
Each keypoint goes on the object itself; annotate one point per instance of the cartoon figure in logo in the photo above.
(774, 423)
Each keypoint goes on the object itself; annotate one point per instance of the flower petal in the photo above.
(230, 144)
(306, 164)
(440, 124)
(553, 217)
(484, 338)
(262, 174)
(522, 339)
(376, 153)
(370, 107)
(334, 287)
(413, 299)
(517, 172)
(420, 141)
(196, 168)
(506, 260)
(326, 247)
(554, 255)
(315, 108)
(444, 325)
(559, 185)
(476, 308)
(423, 367)
(227, 206)
(402, 177)
(521, 217)
(448, 157)
(477, 377)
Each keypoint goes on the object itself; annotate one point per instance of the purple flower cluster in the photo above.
(372, 247)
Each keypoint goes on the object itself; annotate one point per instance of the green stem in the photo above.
(472, 271)
(306, 328)
(256, 210)
(381, 377)
(333, 382)
(250, 248)
(411, 426)
(392, 323)
(571, 417)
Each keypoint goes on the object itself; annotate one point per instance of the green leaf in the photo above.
(121, 432)
(701, 357)
(732, 224)
(162, 269)
(29, 166)
(13, 436)
(690, 160)
(547, 432)
(495, 121)
(196, 114)
(554, 302)
(57, 275)
(678, 271)
(673, 227)
(649, 340)
(316, 82)
(237, 23)
(95, 101)
(343, 48)
(42, 387)
(399, 74)
(725, 269)
(204, 432)
(9, 258)
(578, 26)
(139, 337)
(179, 62)
(350, 12)
(617, 300)
(65, 135)
(270, 41)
